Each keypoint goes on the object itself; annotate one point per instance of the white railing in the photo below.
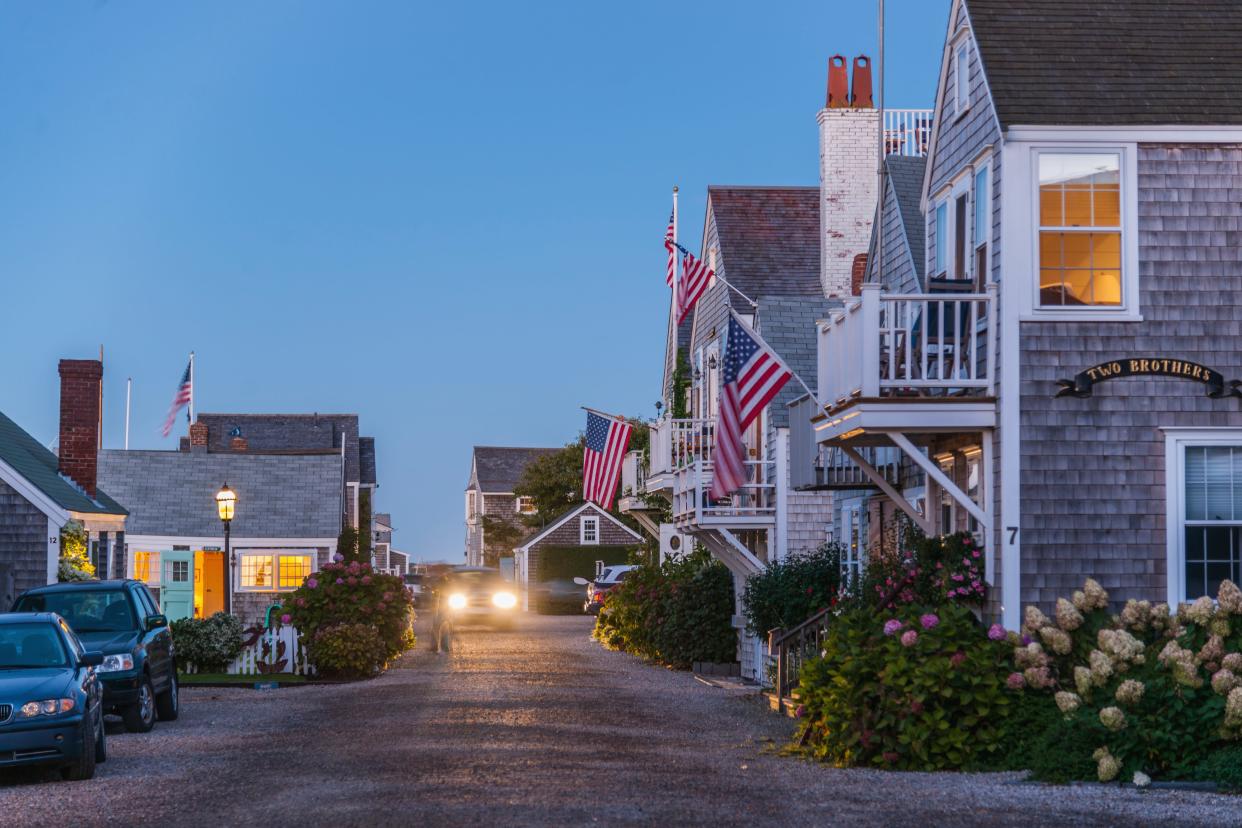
(838, 471)
(274, 650)
(676, 443)
(907, 131)
(753, 504)
(908, 344)
(633, 474)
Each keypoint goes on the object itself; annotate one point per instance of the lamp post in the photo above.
(226, 504)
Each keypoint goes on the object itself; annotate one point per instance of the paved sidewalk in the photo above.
(539, 726)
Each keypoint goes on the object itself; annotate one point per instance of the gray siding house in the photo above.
(494, 472)
(1065, 374)
(287, 520)
(40, 492)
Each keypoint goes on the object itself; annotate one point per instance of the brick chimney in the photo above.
(857, 274)
(849, 135)
(81, 399)
(198, 436)
(238, 444)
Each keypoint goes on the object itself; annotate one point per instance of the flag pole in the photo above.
(193, 383)
(129, 387)
(616, 417)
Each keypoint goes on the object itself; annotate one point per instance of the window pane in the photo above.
(1218, 475)
(942, 236)
(1050, 250)
(1106, 287)
(1050, 213)
(1107, 203)
(1106, 250)
(1078, 287)
(981, 201)
(293, 570)
(1077, 249)
(1077, 206)
(959, 238)
(1050, 292)
(1195, 586)
(1058, 169)
(256, 571)
(1196, 493)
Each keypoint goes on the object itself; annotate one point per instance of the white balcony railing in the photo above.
(907, 131)
(681, 458)
(908, 345)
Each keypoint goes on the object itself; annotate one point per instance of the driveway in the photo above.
(539, 726)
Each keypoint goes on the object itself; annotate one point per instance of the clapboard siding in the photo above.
(1093, 470)
(960, 139)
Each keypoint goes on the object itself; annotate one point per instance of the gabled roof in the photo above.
(769, 239)
(787, 323)
(905, 176)
(1111, 62)
(40, 468)
(499, 468)
(570, 515)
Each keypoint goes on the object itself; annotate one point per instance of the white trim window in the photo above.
(588, 530)
(1204, 471)
(961, 78)
(525, 505)
(472, 508)
(1079, 228)
(981, 226)
(853, 542)
(273, 570)
(955, 229)
(145, 566)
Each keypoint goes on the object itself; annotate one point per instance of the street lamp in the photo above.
(226, 504)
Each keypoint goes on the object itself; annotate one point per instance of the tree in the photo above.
(75, 563)
(680, 404)
(499, 537)
(364, 525)
(347, 543)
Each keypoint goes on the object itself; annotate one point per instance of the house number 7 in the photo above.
(1013, 534)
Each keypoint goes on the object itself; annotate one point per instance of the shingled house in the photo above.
(41, 492)
(1065, 373)
(569, 547)
(288, 516)
(494, 473)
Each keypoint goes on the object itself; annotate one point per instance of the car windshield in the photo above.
(475, 580)
(36, 644)
(87, 610)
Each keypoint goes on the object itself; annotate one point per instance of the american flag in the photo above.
(185, 391)
(752, 374)
(669, 245)
(607, 439)
(695, 277)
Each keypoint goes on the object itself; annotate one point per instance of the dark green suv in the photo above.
(121, 620)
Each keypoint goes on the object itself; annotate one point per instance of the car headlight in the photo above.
(46, 707)
(116, 663)
(505, 600)
(457, 601)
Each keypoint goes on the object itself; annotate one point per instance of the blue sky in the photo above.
(444, 217)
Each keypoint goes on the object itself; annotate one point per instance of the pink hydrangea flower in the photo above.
(892, 626)
(929, 620)
(909, 638)
(996, 632)
(1016, 681)
(801, 711)
(366, 579)
(916, 707)
(353, 581)
(286, 618)
(957, 658)
(338, 557)
(312, 583)
(340, 580)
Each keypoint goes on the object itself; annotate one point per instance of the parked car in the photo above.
(51, 701)
(478, 595)
(121, 620)
(607, 580)
(557, 596)
(414, 581)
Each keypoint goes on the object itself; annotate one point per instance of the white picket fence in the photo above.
(276, 650)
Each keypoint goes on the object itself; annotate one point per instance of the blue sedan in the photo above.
(51, 702)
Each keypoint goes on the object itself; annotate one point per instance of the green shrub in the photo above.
(347, 651)
(75, 561)
(676, 613)
(792, 589)
(931, 571)
(556, 562)
(922, 690)
(207, 643)
(1039, 738)
(348, 593)
(1223, 766)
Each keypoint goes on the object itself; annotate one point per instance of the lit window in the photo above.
(293, 570)
(526, 506)
(589, 530)
(1079, 229)
(256, 571)
(147, 567)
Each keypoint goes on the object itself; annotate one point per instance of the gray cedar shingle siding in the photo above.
(960, 139)
(1112, 62)
(279, 496)
(568, 534)
(787, 323)
(1093, 470)
(903, 228)
(24, 532)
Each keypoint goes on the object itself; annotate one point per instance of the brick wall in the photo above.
(24, 532)
(79, 420)
(1093, 469)
(848, 143)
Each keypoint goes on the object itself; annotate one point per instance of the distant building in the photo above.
(494, 473)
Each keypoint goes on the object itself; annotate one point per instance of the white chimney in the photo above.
(849, 135)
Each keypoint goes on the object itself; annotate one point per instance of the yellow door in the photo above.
(213, 583)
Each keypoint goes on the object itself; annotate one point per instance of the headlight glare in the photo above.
(116, 663)
(457, 601)
(504, 600)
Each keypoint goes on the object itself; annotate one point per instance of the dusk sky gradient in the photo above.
(445, 217)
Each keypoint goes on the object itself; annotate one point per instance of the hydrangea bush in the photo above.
(208, 643)
(347, 650)
(1156, 693)
(919, 688)
(352, 593)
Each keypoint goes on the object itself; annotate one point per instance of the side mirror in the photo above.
(154, 622)
(91, 658)
(581, 581)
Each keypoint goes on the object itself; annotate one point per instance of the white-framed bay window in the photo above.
(1074, 228)
(273, 570)
(1203, 472)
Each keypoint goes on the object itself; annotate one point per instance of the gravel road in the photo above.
(538, 726)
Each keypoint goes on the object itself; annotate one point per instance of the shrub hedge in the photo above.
(790, 590)
(557, 562)
(347, 650)
(207, 643)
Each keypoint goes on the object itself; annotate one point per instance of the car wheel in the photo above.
(101, 742)
(168, 703)
(140, 716)
(83, 767)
